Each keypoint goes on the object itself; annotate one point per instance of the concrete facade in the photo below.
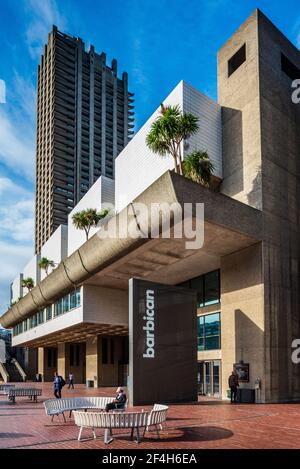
(251, 234)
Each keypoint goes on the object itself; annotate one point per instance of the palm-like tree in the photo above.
(45, 264)
(198, 167)
(85, 219)
(168, 131)
(28, 283)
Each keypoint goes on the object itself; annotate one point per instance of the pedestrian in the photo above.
(233, 382)
(71, 380)
(119, 402)
(58, 383)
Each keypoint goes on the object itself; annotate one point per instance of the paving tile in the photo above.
(209, 424)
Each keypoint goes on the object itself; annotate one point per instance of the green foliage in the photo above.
(28, 283)
(45, 263)
(198, 167)
(168, 131)
(85, 219)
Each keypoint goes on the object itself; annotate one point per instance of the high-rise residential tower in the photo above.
(84, 119)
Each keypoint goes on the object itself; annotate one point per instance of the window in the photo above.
(207, 287)
(51, 357)
(236, 60)
(289, 68)
(48, 313)
(209, 332)
(58, 308)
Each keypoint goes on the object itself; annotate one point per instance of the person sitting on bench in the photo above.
(119, 402)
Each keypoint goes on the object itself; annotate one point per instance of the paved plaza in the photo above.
(209, 424)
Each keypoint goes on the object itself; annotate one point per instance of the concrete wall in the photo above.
(136, 167)
(242, 318)
(239, 97)
(98, 196)
(56, 248)
(261, 142)
(105, 305)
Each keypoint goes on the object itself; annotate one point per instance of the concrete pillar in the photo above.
(92, 355)
(242, 319)
(62, 359)
(41, 362)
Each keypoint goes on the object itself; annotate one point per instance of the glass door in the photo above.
(209, 375)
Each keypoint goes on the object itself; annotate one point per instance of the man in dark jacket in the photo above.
(57, 385)
(119, 402)
(233, 382)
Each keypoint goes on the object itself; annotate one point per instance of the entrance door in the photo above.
(209, 377)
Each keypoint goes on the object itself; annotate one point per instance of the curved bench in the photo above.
(133, 420)
(4, 388)
(110, 420)
(157, 417)
(59, 406)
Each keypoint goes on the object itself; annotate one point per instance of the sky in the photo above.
(158, 42)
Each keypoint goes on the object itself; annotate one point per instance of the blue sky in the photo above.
(158, 42)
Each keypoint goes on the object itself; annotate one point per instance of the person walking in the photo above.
(58, 383)
(233, 382)
(71, 380)
(119, 402)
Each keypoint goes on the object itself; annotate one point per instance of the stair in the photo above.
(13, 372)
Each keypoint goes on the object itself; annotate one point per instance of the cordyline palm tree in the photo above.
(168, 131)
(45, 264)
(28, 283)
(198, 167)
(85, 219)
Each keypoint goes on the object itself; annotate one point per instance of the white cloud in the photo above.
(16, 212)
(44, 13)
(14, 258)
(16, 234)
(16, 145)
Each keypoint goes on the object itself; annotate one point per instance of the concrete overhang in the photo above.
(229, 226)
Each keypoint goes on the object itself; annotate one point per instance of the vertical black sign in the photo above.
(162, 343)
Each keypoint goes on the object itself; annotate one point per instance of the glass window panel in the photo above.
(48, 313)
(212, 331)
(73, 300)
(78, 297)
(197, 284)
(200, 333)
(212, 288)
(66, 304)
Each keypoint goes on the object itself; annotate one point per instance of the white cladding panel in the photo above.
(32, 270)
(98, 196)
(136, 167)
(55, 248)
(16, 288)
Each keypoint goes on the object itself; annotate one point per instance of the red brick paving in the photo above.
(208, 424)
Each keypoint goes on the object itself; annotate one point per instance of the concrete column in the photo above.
(92, 355)
(242, 318)
(41, 362)
(62, 359)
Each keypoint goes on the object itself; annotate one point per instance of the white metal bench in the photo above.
(4, 388)
(59, 406)
(32, 393)
(110, 420)
(157, 417)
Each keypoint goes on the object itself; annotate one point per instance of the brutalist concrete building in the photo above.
(177, 320)
(84, 119)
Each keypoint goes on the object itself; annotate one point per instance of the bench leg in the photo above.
(157, 431)
(138, 439)
(70, 414)
(106, 440)
(94, 434)
(131, 434)
(64, 417)
(79, 435)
